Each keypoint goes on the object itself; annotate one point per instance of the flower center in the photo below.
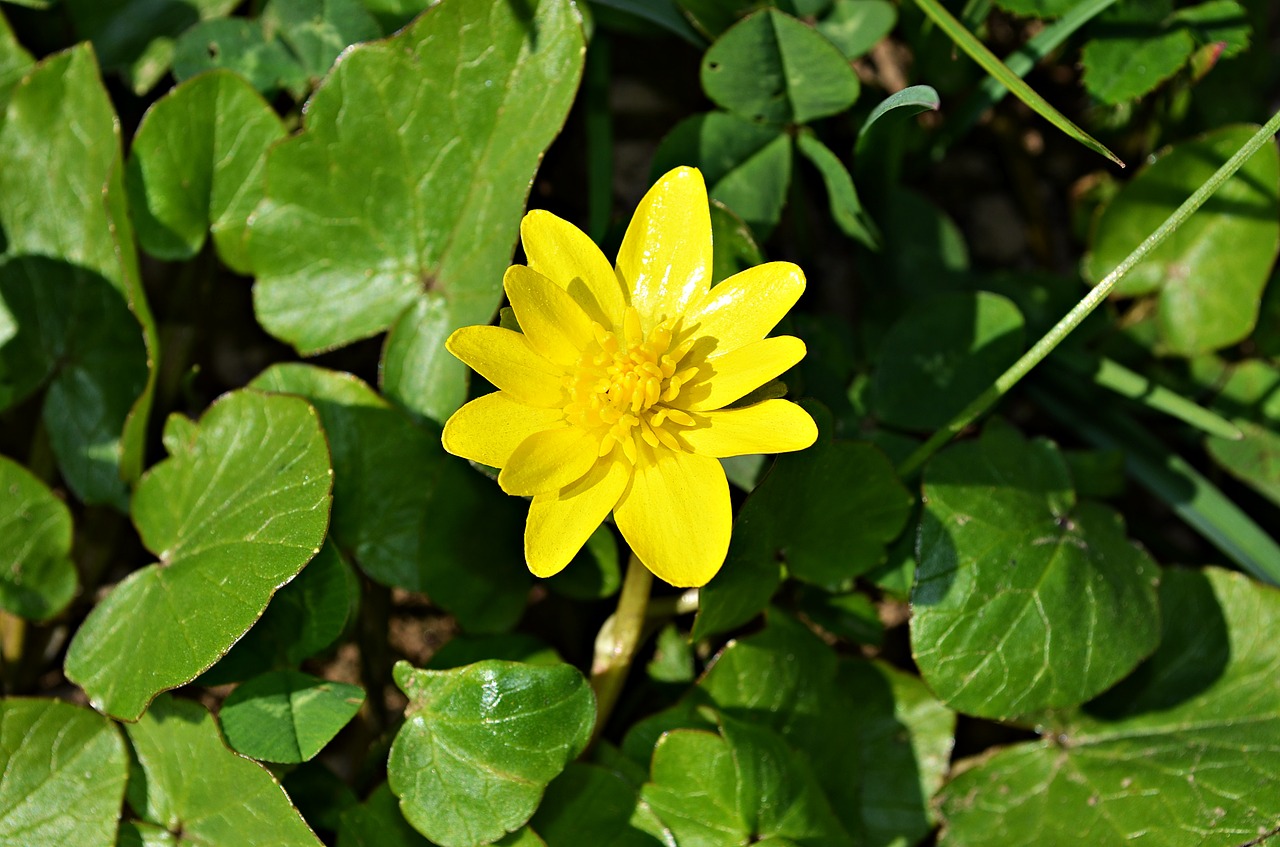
(622, 387)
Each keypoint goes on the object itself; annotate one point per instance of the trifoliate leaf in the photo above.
(287, 716)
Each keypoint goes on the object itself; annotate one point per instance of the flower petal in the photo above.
(774, 426)
(742, 309)
(564, 254)
(732, 376)
(506, 359)
(489, 428)
(553, 323)
(560, 522)
(676, 516)
(548, 461)
(665, 259)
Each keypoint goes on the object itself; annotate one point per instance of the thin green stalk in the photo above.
(1091, 301)
(617, 641)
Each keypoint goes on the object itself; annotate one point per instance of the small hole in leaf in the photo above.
(213, 50)
(713, 66)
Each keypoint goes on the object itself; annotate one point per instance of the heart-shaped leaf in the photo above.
(1209, 274)
(480, 744)
(1025, 598)
(200, 791)
(37, 576)
(444, 124)
(773, 68)
(287, 716)
(231, 519)
(64, 775)
(222, 128)
(1183, 753)
(62, 198)
(410, 515)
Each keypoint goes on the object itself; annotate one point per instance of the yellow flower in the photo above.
(613, 396)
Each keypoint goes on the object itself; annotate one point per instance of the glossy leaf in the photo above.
(64, 775)
(911, 100)
(1025, 598)
(1181, 753)
(304, 618)
(444, 124)
(744, 786)
(941, 355)
(136, 36)
(409, 515)
(747, 167)
(772, 68)
(287, 716)
(15, 61)
(589, 805)
(213, 517)
(59, 156)
(193, 786)
(37, 576)
(223, 129)
(1134, 48)
(1210, 273)
(480, 744)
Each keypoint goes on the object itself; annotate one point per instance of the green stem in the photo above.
(1091, 301)
(616, 644)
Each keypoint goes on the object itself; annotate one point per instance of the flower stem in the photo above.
(1091, 301)
(617, 641)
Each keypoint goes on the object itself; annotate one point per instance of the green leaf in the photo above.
(747, 166)
(139, 834)
(747, 581)
(846, 208)
(1025, 598)
(941, 355)
(136, 36)
(232, 519)
(589, 805)
(57, 758)
(594, 573)
(672, 657)
(914, 100)
(981, 54)
(1037, 8)
(855, 26)
(318, 30)
(480, 744)
(1180, 754)
(193, 786)
(305, 617)
(1215, 22)
(734, 246)
(287, 716)
(444, 124)
(1134, 48)
(742, 787)
(1210, 273)
(664, 13)
(851, 616)
(408, 514)
(222, 128)
(15, 61)
(878, 741)
(37, 576)
(1252, 396)
(772, 68)
(59, 157)
(377, 822)
(239, 45)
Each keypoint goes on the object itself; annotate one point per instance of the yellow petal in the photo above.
(723, 379)
(552, 322)
(742, 309)
(665, 259)
(676, 516)
(560, 522)
(774, 426)
(489, 428)
(564, 254)
(506, 359)
(548, 461)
